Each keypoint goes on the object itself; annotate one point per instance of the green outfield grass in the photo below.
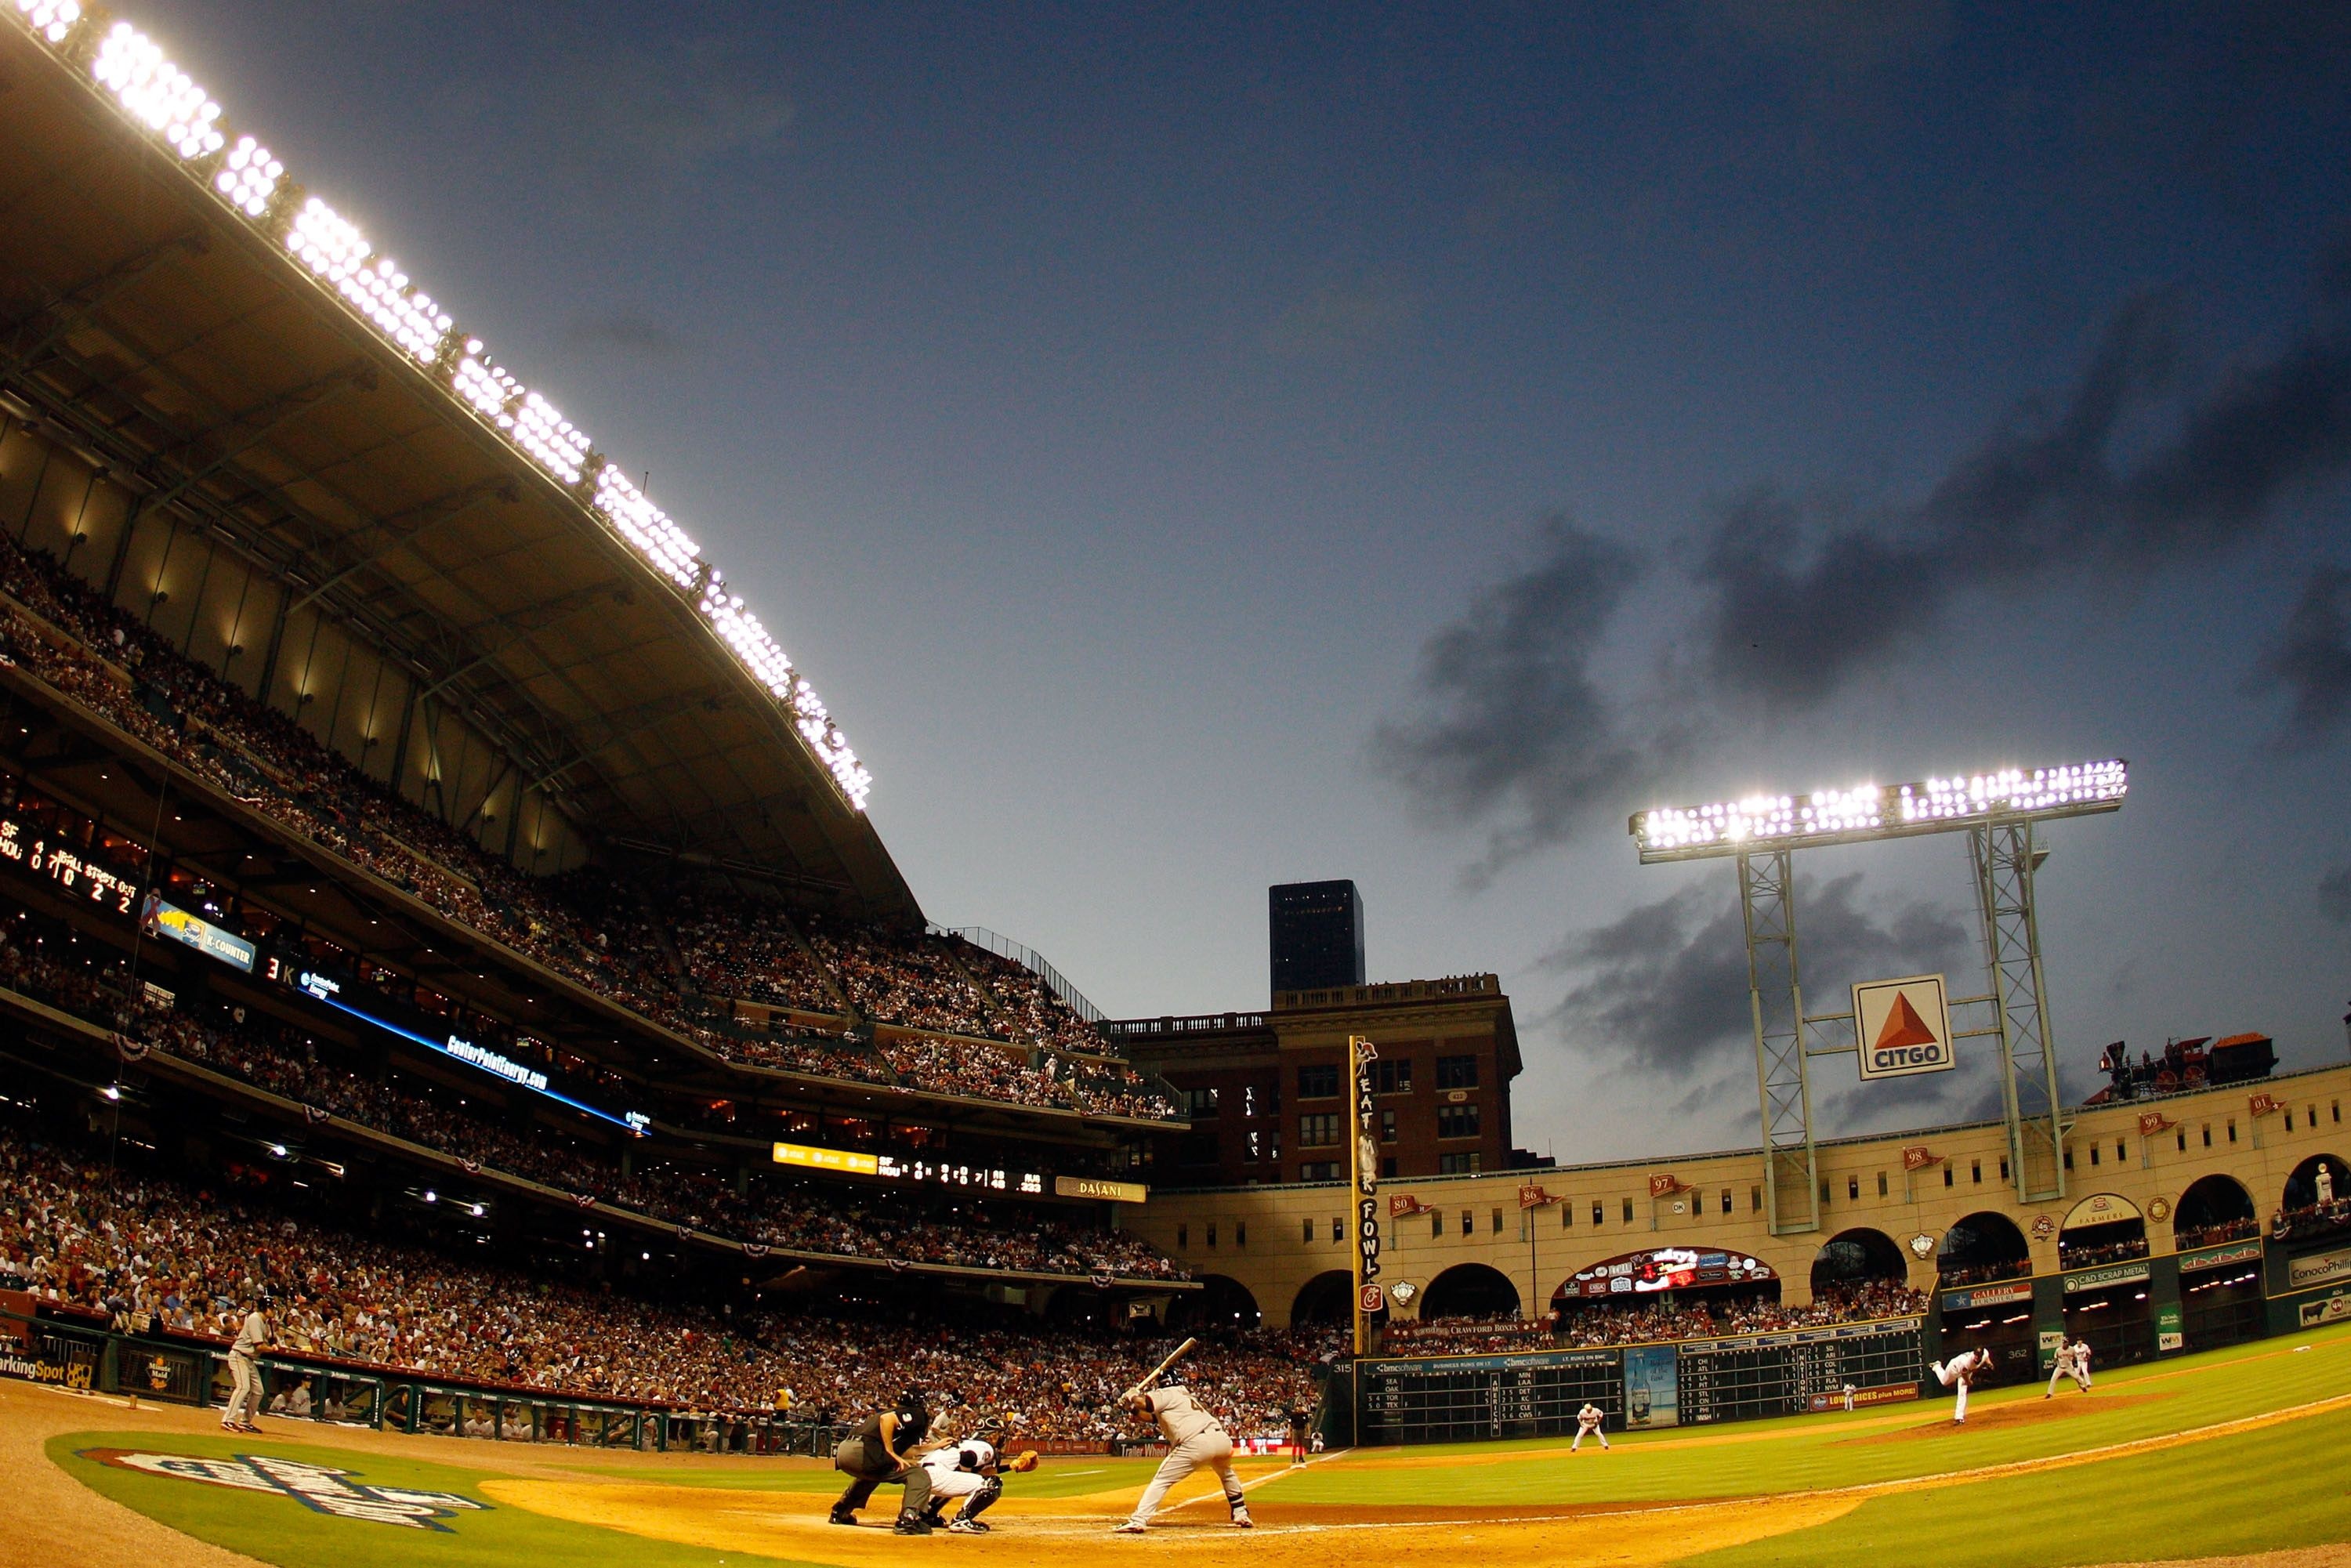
(2261, 1491)
(1808, 1452)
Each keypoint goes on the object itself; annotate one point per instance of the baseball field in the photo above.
(2240, 1455)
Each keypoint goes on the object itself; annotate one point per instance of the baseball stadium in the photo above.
(476, 1087)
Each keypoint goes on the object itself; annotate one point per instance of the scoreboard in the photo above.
(1535, 1393)
(1458, 1399)
(1784, 1373)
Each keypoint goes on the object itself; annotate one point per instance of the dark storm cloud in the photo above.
(1512, 729)
(2312, 659)
(1800, 604)
(1663, 989)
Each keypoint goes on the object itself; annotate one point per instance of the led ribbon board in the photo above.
(1868, 812)
(326, 989)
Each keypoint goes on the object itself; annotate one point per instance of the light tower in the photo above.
(1999, 812)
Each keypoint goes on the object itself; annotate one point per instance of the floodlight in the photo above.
(52, 19)
(167, 102)
(1867, 812)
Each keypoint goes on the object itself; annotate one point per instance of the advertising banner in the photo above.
(1902, 1027)
(1861, 1398)
(1666, 1269)
(2319, 1268)
(2111, 1274)
(166, 920)
(1652, 1386)
(1363, 1178)
(2170, 1329)
(2334, 1309)
(1098, 1186)
(2007, 1292)
(2228, 1252)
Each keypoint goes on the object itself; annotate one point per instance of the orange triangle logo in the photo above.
(1903, 1026)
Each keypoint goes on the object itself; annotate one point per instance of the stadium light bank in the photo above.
(2000, 812)
(1867, 812)
(241, 172)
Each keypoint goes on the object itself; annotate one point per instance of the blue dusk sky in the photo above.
(1197, 447)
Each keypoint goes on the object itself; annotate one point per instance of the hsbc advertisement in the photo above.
(1902, 1027)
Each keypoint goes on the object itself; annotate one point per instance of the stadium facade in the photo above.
(2183, 1200)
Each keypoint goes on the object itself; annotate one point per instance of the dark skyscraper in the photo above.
(1317, 930)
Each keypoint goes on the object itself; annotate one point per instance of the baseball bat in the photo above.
(1148, 1378)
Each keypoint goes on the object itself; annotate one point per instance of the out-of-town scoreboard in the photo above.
(1536, 1394)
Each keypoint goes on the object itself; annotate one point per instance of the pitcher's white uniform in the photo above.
(1957, 1372)
(1194, 1439)
(1587, 1425)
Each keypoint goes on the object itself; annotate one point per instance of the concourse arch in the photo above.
(1980, 1248)
(1225, 1302)
(2102, 1246)
(2318, 1183)
(2213, 1208)
(1469, 1291)
(1853, 1258)
(1327, 1297)
(2217, 1235)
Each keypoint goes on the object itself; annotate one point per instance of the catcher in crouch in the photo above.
(1194, 1439)
(969, 1469)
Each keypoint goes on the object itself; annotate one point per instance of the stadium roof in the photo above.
(175, 308)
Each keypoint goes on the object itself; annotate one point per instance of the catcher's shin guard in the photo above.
(980, 1501)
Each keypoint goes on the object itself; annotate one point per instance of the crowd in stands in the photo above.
(2312, 1219)
(732, 949)
(1615, 1322)
(1468, 1335)
(278, 1058)
(2087, 1254)
(1027, 1005)
(663, 956)
(1983, 1272)
(155, 1254)
(2185, 1237)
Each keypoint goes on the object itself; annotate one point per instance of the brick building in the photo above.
(1267, 1090)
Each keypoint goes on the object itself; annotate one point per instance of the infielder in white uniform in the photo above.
(2064, 1368)
(1587, 1425)
(1194, 1439)
(1959, 1372)
(245, 1368)
(2082, 1364)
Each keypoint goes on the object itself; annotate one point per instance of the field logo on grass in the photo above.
(315, 1487)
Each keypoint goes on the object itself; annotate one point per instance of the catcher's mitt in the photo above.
(1026, 1462)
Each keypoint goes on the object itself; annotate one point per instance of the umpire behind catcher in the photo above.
(882, 1452)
